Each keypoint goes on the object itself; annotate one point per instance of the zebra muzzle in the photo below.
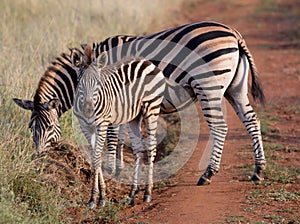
(88, 108)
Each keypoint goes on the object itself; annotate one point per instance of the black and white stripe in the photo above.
(126, 92)
(54, 96)
(210, 60)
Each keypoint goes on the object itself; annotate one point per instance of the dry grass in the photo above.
(33, 33)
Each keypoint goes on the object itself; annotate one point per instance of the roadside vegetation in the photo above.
(32, 33)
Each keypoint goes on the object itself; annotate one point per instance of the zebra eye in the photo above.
(95, 98)
(50, 128)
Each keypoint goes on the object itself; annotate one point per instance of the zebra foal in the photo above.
(126, 92)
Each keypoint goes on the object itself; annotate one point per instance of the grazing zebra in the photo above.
(53, 97)
(210, 60)
(126, 92)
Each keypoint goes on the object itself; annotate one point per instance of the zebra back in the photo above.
(178, 51)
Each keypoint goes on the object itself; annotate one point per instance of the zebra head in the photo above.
(88, 69)
(44, 122)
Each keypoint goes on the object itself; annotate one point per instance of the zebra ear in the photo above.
(51, 104)
(76, 57)
(25, 104)
(101, 60)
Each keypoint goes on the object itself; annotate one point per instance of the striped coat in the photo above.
(126, 92)
(209, 60)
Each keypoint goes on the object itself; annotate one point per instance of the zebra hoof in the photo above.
(147, 198)
(256, 178)
(203, 181)
(129, 201)
(102, 203)
(91, 205)
(118, 172)
(257, 174)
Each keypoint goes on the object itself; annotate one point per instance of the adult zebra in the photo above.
(210, 60)
(53, 97)
(125, 92)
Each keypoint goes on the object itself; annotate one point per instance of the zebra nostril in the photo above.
(88, 108)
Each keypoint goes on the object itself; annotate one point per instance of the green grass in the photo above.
(262, 199)
(109, 213)
(272, 6)
(276, 172)
(281, 11)
(262, 195)
(32, 33)
(231, 218)
(279, 186)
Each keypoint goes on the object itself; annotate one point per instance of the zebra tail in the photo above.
(256, 87)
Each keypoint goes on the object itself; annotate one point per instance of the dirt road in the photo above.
(269, 34)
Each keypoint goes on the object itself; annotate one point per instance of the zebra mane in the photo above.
(60, 72)
(88, 53)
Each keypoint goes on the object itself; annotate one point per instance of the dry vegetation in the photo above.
(33, 33)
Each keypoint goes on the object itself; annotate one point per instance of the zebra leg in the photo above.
(238, 98)
(97, 140)
(95, 189)
(112, 144)
(89, 133)
(151, 126)
(138, 152)
(120, 147)
(252, 124)
(212, 110)
(150, 113)
(102, 186)
(98, 183)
